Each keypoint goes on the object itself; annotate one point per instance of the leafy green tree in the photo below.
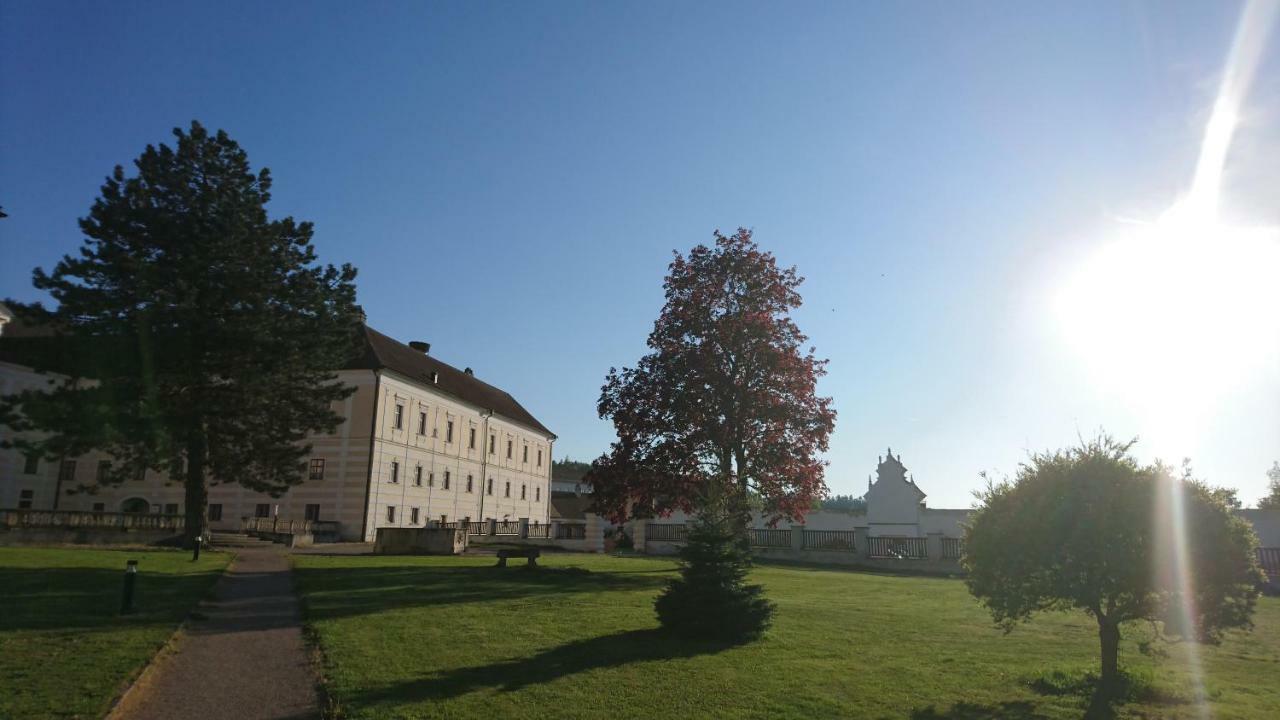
(209, 332)
(1088, 528)
(1272, 500)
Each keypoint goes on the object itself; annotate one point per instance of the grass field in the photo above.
(412, 637)
(65, 651)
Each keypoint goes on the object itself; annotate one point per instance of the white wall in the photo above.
(413, 446)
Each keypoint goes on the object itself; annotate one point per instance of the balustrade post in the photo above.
(797, 537)
(638, 529)
(493, 527)
(861, 542)
(555, 530)
(524, 528)
(934, 546)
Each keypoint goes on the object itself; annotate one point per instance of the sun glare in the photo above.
(1173, 313)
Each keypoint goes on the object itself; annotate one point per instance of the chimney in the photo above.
(468, 371)
(422, 347)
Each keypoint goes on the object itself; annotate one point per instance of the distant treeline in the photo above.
(567, 470)
(843, 503)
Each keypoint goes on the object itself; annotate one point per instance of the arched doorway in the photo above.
(135, 505)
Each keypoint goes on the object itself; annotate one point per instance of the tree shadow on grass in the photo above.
(1013, 710)
(87, 599)
(331, 593)
(606, 651)
(1101, 702)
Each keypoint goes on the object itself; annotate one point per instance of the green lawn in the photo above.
(412, 637)
(65, 652)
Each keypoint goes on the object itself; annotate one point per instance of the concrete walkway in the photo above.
(245, 661)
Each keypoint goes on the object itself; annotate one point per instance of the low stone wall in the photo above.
(933, 554)
(19, 536)
(420, 541)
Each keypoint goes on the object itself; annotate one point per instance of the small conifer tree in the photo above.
(710, 599)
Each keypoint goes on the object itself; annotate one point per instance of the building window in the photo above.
(448, 431)
(539, 458)
(490, 486)
(537, 494)
(413, 516)
(99, 507)
(67, 471)
(311, 512)
(25, 498)
(32, 465)
(446, 479)
(417, 476)
(395, 471)
(104, 471)
(493, 444)
(171, 508)
(422, 423)
(316, 471)
(525, 459)
(523, 490)
(431, 479)
(262, 510)
(215, 512)
(509, 446)
(507, 491)
(471, 441)
(391, 513)
(469, 484)
(399, 416)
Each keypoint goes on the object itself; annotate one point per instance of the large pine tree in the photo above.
(206, 334)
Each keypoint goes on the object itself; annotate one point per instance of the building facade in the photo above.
(419, 441)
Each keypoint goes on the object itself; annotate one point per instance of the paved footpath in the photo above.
(246, 661)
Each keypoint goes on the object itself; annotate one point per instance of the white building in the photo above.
(420, 440)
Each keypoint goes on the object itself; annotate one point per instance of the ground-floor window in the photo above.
(32, 465)
(312, 511)
(67, 471)
(316, 470)
(413, 516)
(25, 499)
(262, 510)
(104, 469)
(171, 508)
(391, 513)
(215, 512)
(99, 507)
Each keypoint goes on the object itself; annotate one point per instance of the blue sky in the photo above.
(511, 179)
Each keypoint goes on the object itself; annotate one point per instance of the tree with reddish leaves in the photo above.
(725, 404)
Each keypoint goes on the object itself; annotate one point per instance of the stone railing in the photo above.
(830, 540)
(288, 527)
(90, 520)
(932, 553)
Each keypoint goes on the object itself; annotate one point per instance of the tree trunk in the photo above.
(197, 495)
(1109, 636)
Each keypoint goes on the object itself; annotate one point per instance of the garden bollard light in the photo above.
(195, 553)
(130, 576)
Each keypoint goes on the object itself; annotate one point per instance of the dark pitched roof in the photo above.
(378, 351)
(569, 507)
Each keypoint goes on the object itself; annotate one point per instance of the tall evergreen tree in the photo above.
(206, 334)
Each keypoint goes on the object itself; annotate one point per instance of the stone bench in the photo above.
(531, 553)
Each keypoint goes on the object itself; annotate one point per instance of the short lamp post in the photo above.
(130, 578)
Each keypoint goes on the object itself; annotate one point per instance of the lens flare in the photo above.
(1177, 311)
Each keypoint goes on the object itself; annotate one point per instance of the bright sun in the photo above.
(1171, 314)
